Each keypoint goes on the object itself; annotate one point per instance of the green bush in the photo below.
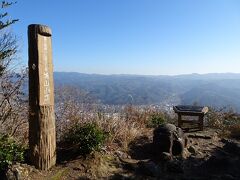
(156, 120)
(85, 138)
(10, 152)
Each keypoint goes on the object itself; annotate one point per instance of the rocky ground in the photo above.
(206, 156)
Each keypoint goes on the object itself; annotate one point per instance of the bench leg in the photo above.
(200, 121)
(179, 120)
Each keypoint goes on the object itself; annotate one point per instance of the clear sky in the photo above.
(136, 36)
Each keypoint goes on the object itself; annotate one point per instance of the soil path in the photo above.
(206, 157)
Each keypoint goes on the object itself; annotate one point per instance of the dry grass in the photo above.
(228, 122)
(122, 127)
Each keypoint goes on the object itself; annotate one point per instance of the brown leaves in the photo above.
(13, 104)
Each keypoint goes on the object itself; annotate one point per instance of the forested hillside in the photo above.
(218, 90)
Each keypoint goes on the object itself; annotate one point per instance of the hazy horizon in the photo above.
(212, 73)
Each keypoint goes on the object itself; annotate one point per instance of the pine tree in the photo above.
(8, 44)
(13, 108)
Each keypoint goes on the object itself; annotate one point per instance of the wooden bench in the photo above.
(185, 110)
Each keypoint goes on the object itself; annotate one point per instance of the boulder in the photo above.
(18, 172)
(174, 167)
(192, 150)
(168, 138)
(148, 168)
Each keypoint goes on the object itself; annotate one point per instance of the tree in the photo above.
(72, 105)
(13, 107)
(8, 43)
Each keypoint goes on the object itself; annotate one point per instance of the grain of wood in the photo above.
(42, 134)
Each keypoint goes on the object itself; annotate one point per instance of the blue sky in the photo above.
(136, 36)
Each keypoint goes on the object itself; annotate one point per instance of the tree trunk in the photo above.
(42, 134)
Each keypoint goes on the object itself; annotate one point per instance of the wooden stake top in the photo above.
(40, 29)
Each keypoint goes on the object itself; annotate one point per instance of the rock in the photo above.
(201, 136)
(174, 167)
(163, 138)
(220, 163)
(228, 177)
(186, 154)
(214, 177)
(18, 172)
(192, 150)
(30, 168)
(178, 147)
(186, 141)
(215, 137)
(129, 161)
(223, 177)
(148, 168)
(130, 167)
(10, 175)
(196, 144)
(200, 154)
(168, 138)
(129, 164)
(121, 154)
(164, 156)
(231, 146)
(224, 140)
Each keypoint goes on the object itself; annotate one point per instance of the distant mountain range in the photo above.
(217, 90)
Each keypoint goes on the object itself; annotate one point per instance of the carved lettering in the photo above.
(46, 78)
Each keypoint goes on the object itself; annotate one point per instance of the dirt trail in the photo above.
(206, 157)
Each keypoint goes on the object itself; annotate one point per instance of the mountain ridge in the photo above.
(213, 89)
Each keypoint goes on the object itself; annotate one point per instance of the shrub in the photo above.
(156, 120)
(215, 118)
(234, 131)
(84, 138)
(10, 152)
(121, 130)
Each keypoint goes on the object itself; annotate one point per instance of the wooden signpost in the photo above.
(42, 134)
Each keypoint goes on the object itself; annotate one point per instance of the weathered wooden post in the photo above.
(42, 135)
